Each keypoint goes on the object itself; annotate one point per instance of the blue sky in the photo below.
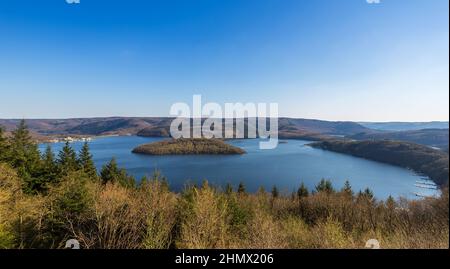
(325, 59)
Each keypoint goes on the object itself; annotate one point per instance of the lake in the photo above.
(286, 167)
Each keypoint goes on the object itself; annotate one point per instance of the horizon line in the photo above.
(281, 117)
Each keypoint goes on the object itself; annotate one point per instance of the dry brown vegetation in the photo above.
(151, 216)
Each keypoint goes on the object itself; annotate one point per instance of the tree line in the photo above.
(39, 171)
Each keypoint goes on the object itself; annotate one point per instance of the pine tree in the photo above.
(302, 192)
(86, 163)
(369, 194)
(241, 188)
(21, 136)
(391, 212)
(347, 189)
(144, 182)
(24, 152)
(67, 159)
(48, 157)
(4, 148)
(49, 167)
(111, 173)
(390, 203)
(25, 157)
(324, 186)
(275, 192)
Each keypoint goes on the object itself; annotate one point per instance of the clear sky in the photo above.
(325, 59)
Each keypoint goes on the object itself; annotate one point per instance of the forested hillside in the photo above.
(159, 126)
(184, 146)
(422, 159)
(430, 137)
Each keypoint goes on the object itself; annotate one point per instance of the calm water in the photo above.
(286, 167)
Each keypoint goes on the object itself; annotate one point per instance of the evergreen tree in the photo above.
(67, 159)
(71, 200)
(24, 152)
(49, 167)
(390, 203)
(324, 186)
(347, 189)
(86, 163)
(275, 192)
(144, 182)
(25, 157)
(369, 194)
(302, 192)
(111, 173)
(3, 146)
(241, 188)
(48, 157)
(391, 213)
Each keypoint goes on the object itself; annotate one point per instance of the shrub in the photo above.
(20, 214)
(203, 219)
(161, 215)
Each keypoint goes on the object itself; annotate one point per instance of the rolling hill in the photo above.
(405, 126)
(422, 159)
(430, 137)
(159, 126)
